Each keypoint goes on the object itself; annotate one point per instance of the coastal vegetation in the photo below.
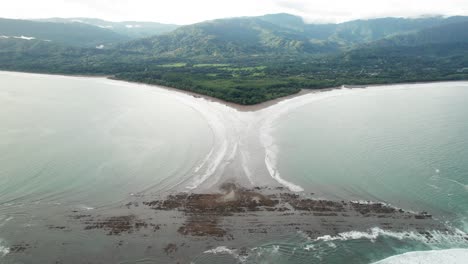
(256, 59)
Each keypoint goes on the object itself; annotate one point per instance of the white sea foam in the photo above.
(85, 207)
(270, 163)
(271, 156)
(211, 168)
(17, 37)
(271, 115)
(447, 256)
(455, 237)
(5, 220)
(309, 247)
(231, 130)
(238, 136)
(234, 134)
(275, 249)
(205, 160)
(245, 168)
(3, 249)
(225, 250)
(24, 37)
(223, 123)
(221, 249)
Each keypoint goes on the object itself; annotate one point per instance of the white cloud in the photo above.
(190, 11)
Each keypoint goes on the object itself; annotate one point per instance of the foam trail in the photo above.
(4, 250)
(246, 169)
(199, 179)
(207, 158)
(237, 137)
(270, 163)
(3, 221)
(232, 138)
(448, 256)
(271, 114)
(232, 130)
(215, 115)
(465, 186)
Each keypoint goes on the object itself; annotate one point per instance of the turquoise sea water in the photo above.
(405, 145)
(91, 144)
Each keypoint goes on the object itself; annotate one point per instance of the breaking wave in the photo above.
(456, 237)
(447, 256)
(3, 249)
(224, 250)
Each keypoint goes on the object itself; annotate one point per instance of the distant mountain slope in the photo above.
(75, 34)
(52, 57)
(359, 31)
(132, 29)
(254, 59)
(447, 33)
(277, 34)
(231, 37)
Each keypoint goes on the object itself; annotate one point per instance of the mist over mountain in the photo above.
(131, 29)
(74, 34)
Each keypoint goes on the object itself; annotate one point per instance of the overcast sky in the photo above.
(191, 11)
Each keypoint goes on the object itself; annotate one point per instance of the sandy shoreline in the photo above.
(239, 107)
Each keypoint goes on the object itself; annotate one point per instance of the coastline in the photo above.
(239, 107)
(176, 226)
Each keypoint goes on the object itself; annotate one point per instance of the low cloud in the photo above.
(189, 11)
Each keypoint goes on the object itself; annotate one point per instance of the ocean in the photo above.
(77, 147)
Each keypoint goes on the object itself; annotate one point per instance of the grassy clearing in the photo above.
(173, 65)
(214, 65)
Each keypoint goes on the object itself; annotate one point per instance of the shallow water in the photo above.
(406, 145)
(91, 145)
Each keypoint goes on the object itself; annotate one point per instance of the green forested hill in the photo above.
(254, 59)
(362, 31)
(277, 34)
(446, 33)
(229, 38)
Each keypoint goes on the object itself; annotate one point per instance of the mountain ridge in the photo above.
(249, 60)
(70, 34)
(132, 29)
